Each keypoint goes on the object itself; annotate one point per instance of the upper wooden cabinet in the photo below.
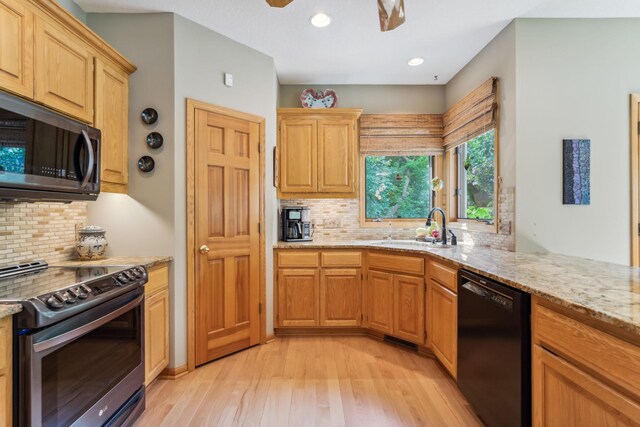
(112, 118)
(64, 71)
(317, 152)
(16, 47)
(48, 56)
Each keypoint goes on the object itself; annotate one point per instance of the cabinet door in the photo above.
(336, 156)
(64, 71)
(156, 340)
(112, 118)
(380, 306)
(565, 396)
(443, 325)
(16, 48)
(298, 156)
(298, 297)
(6, 384)
(408, 311)
(340, 297)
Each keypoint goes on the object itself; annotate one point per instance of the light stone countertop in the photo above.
(605, 291)
(9, 309)
(147, 261)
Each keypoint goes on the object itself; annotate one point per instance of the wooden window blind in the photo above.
(473, 115)
(401, 134)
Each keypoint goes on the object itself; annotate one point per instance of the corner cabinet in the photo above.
(317, 153)
(156, 322)
(48, 57)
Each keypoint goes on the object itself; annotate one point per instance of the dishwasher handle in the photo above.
(485, 293)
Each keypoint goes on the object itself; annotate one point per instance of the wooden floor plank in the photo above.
(312, 382)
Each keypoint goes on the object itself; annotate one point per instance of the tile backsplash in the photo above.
(339, 220)
(30, 231)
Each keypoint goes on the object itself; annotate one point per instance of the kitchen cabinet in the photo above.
(16, 47)
(63, 71)
(6, 384)
(380, 301)
(396, 299)
(317, 153)
(340, 297)
(298, 299)
(442, 309)
(112, 118)
(584, 373)
(156, 322)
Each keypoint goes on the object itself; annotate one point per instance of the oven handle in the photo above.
(89, 172)
(68, 336)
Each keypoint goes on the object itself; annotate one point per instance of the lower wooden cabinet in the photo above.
(156, 322)
(341, 297)
(564, 396)
(408, 308)
(298, 298)
(442, 309)
(6, 385)
(380, 301)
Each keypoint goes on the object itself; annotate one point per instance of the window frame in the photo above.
(436, 196)
(452, 183)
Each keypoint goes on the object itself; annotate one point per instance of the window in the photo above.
(398, 187)
(476, 174)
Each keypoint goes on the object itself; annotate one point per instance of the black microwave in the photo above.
(45, 156)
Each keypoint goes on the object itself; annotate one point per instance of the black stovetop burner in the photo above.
(49, 294)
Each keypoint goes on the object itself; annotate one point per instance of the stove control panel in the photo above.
(94, 288)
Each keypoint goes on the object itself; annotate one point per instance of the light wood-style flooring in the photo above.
(312, 381)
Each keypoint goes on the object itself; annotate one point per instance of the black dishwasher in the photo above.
(494, 350)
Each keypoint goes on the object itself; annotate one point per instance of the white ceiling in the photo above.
(352, 50)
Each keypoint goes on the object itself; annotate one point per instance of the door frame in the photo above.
(192, 106)
(635, 176)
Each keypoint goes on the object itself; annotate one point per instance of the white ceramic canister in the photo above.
(91, 242)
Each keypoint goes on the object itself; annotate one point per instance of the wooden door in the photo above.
(156, 348)
(341, 297)
(336, 156)
(380, 304)
(112, 118)
(64, 71)
(443, 325)
(16, 48)
(408, 312)
(227, 209)
(298, 299)
(298, 150)
(566, 396)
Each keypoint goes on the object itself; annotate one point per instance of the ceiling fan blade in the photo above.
(391, 14)
(278, 3)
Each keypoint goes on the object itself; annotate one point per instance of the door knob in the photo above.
(204, 249)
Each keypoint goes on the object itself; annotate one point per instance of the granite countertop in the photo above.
(9, 309)
(147, 261)
(605, 291)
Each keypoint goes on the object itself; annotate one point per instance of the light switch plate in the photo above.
(228, 80)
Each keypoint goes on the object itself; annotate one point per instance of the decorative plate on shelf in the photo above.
(321, 99)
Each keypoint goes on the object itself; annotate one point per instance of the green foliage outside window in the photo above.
(479, 166)
(12, 159)
(397, 186)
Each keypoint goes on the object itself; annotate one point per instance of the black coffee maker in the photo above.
(296, 224)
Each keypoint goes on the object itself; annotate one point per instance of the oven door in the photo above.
(83, 370)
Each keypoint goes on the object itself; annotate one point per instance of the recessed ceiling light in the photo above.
(414, 62)
(320, 20)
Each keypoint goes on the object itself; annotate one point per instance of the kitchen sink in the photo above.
(410, 243)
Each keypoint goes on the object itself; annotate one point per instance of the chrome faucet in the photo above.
(444, 223)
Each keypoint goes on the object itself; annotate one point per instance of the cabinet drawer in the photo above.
(341, 259)
(158, 279)
(610, 357)
(443, 274)
(298, 259)
(403, 264)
